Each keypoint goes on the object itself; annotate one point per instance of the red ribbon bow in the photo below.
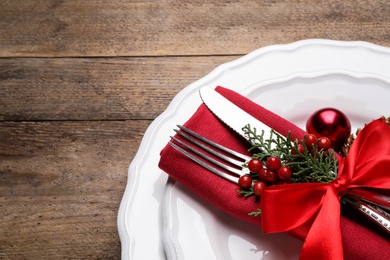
(315, 207)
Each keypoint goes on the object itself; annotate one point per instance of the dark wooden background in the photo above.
(80, 81)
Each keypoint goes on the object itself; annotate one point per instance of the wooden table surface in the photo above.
(80, 82)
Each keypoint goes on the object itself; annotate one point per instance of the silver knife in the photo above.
(236, 118)
(228, 112)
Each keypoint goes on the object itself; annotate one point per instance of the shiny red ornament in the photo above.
(330, 123)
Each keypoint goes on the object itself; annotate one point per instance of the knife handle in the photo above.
(375, 213)
(380, 199)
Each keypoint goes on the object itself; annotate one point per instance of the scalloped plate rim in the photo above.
(123, 222)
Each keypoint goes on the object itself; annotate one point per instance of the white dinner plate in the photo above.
(159, 219)
(191, 221)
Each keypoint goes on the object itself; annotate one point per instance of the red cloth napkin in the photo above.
(361, 238)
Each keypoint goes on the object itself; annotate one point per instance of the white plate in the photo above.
(291, 80)
(192, 223)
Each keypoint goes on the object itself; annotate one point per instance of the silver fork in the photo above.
(233, 166)
(233, 160)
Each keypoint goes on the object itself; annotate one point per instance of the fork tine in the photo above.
(205, 165)
(221, 147)
(210, 159)
(208, 149)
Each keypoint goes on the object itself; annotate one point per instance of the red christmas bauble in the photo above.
(331, 123)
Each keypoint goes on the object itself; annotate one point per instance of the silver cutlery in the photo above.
(233, 164)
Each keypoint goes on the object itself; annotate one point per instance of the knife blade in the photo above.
(236, 118)
(229, 113)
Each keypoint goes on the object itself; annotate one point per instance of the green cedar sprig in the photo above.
(246, 193)
(309, 166)
(255, 213)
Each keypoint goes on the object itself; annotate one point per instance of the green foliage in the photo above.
(312, 165)
(255, 213)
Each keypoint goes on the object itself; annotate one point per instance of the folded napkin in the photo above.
(361, 239)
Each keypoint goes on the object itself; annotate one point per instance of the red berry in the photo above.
(299, 149)
(273, 163)
(272, 178)
(245, 181)
(268, 176)
(263, 173)
(255, 165)
(324, 143)
(284, 173)
(310, 140)
(329, 151)
(258, 188)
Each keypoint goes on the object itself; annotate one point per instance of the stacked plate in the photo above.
(160, 219)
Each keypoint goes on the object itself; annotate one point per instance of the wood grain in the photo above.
(96, 88)
(195, 27)
(60, 187)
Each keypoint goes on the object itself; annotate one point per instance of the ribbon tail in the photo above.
(324, 239)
